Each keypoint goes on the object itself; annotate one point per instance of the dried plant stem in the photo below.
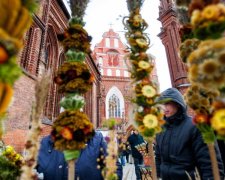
(71, 170)
(110, 160)
(32, 147)
(212, 154)
(152, 157)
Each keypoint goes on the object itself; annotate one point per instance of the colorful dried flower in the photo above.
(142, 43)
(143, 64)
(196, 17)
(186, 47)
(148, 91)
(209, 67)
(210, 12)
(201, 118)
(218, 121)
(70, 130)
(66, 133)
(150, 121)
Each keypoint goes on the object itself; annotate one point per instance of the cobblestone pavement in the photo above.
(129, 172)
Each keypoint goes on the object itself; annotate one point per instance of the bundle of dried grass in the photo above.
(32, 147)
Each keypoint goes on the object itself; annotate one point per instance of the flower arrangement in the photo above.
(10, 163)
(206, 64)
(147, 117)
(71, 130)
(74, 77)
(142, 148)
(109, 171)
(14, 22)
(201, 100)
(187, 47)
(76, 37)
(205, 71)
(209, 23)
(217, 119)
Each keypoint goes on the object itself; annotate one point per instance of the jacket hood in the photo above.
(174, 95)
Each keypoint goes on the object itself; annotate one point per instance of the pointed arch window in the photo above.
(114, 106)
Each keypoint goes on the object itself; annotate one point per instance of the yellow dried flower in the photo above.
(209, 67)
(143, 64)
(138, 18)
(196, 17)
(9, 150)
(218, 121)
(210, 12)
(150, 121)
(142, 43)
(148, 91)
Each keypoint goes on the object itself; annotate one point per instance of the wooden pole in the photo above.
(71, 170)
(152, 158)
(212, 154)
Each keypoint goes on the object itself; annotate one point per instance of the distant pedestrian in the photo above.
(134, 140)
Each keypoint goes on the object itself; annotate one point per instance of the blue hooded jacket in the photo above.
(50, 161)
(180, 147)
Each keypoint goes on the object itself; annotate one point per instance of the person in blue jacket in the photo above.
(51, 163)
(180, 148)
(54, 167)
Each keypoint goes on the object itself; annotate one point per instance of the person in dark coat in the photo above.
(54, 167)
(134, 140)
(180, 147)
(221, 145)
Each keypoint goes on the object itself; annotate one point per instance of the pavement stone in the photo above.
(129, 172)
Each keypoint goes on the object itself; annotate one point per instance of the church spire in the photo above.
(170, 38)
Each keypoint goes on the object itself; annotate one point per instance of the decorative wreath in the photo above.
(207, 64)
(209, 23)
(74, 77)
(72, 130)
(76, 37)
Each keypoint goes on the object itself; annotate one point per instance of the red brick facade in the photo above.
(109, 56)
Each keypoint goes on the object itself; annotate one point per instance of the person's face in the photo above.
(135, 132)
(170, 108)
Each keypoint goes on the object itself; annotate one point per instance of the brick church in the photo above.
(116, 85)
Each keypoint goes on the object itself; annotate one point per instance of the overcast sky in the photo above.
(101, 13)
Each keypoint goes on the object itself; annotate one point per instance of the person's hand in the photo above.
(40, 176)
